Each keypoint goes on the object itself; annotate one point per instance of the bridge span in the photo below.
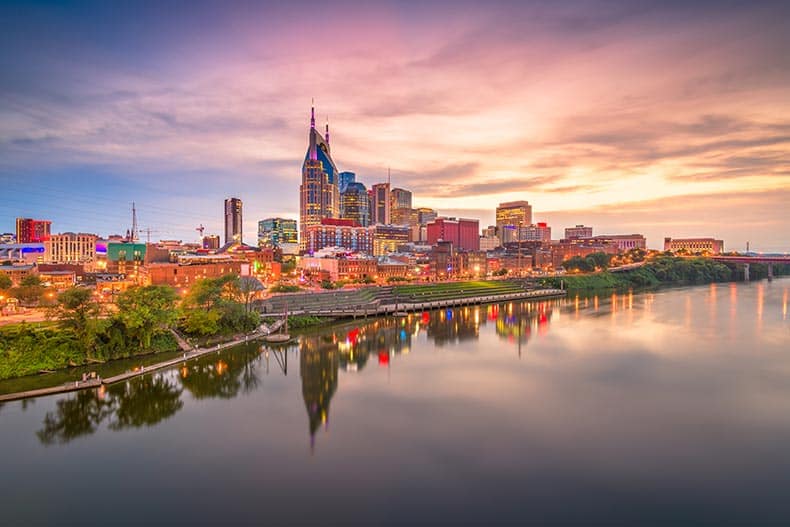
(747, 260)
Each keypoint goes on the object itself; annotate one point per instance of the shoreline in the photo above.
(199, 352)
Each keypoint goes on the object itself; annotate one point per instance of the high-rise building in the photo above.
(513, 213)
(463, 233)
(345, 178)
(273, 232)
(381, 204)
(354, 203)
(400, 199)
(29, 230)
(578, 232)
(387, 238)
(426, 215)
(319, 195)
(233, 222)
(71, 248)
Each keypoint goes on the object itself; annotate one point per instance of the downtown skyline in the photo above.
(663, 120)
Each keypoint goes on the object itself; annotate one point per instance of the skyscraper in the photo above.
(513, 214)
(233, 223)
(401, 199)
(319, 195)
(354, 204)
(381, 204)
(345, 178)
(272, 232)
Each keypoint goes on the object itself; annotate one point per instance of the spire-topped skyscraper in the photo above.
(319, 196)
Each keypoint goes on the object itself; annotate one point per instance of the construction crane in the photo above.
(148, 232)
(200, 229)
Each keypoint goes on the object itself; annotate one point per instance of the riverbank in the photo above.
(87, 382)
(659, 272)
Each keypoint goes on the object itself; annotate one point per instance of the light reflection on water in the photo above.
(667, 405)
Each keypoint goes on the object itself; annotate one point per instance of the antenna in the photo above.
(200, 229)
(389, 175)
(134, 236)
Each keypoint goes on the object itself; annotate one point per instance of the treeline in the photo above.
(84, 330)
(662, 270)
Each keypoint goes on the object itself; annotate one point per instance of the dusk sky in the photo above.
(665, 118)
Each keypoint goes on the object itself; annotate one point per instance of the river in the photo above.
(665, 407)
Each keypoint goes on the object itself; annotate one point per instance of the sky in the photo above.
(664, 118)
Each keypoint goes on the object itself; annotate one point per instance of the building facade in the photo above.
(381, 204)
(577, 232)
(387, 238)
(624, 242)
(71, 248)
(539, 232)
(233, 221)
(29, 230)
(354, 203)
(273, 232)
(694, 245)
(514, 214)
(339, 233)
(463, 233)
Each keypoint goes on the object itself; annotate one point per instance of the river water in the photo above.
(667, 407)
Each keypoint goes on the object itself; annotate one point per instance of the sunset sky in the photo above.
(666, 118)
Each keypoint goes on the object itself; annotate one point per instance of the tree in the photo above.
(30, 281)
(5, 281)
(248, 286)
(146, 310)
(78, 311)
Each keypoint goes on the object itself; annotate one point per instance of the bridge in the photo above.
(746, 260)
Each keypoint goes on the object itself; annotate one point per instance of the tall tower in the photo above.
(233, 223)
(319, 195)
(381, 204)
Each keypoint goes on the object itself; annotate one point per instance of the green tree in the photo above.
(5, 281)
(248, 287)
(78, 312)
(30, 281)
(145, 311)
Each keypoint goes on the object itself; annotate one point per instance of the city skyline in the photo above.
(596, 114)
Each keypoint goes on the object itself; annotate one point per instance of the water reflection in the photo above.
(352, 348)
(142, 402)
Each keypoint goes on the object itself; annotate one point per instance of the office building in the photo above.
(338, 233)
(319, 194)
(273, 232)
(29, 230)
(381, 204)
(354, 203)
(578, 232)
(344, 179)
(426, 215)
(387, 238)
(516, 213)
(539, 232)
(400, 198)
(233, 221)
(464, 234)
